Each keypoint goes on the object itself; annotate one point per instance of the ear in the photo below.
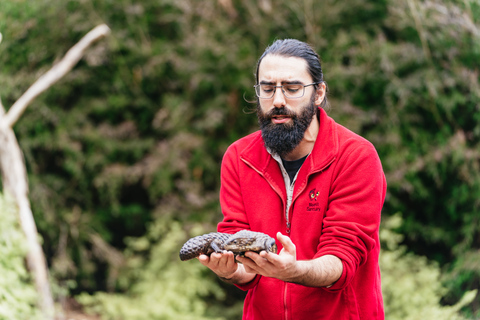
(320, 93)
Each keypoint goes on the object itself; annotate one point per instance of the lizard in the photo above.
(238, 243)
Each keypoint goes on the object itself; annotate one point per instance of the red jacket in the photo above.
(336, 208)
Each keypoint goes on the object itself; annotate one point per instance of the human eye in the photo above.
(266, 88)
(292, 88)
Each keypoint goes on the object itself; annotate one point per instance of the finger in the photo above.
(216, 257)
(250, 270)
(204, 259)
(269, 256)
(258, 263)
(287, 243)
(229, 259)
(259, 259)
(221, 260)
(247, 262)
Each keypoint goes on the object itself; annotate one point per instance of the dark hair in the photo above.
(299, 49)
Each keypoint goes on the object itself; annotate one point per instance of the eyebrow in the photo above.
(283, 82)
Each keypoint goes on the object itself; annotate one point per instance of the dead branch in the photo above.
(55, 73)
(13, 170)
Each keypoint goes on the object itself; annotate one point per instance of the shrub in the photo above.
(411, 284)
(17, 293)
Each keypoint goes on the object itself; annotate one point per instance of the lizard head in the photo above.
(247, 240)
(271, 246)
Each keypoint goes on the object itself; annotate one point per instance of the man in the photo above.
(315, 186)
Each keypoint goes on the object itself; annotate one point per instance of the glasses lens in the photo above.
(293, 90)
(265, 91)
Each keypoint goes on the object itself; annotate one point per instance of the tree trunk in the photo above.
(15, 183)
(14, 173)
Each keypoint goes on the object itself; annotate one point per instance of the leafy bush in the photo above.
(160, 286)
(412, 289)
(18, 297)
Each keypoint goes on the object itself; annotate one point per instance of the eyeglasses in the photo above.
(291, 91)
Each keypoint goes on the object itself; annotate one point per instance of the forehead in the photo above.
(277, 68)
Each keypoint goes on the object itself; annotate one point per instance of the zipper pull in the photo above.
(288, 227)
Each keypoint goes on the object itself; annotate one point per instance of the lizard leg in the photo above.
(217, 246)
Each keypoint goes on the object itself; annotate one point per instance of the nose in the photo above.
(278, 98)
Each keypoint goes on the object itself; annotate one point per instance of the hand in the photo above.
(223, 264)
(282, 266)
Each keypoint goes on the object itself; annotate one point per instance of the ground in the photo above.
(74, 311)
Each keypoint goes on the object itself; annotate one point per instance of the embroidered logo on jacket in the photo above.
(313, 205)
(314, 194)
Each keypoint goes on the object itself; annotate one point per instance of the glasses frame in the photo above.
(283, 90)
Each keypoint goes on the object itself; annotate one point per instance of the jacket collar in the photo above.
(324, 150)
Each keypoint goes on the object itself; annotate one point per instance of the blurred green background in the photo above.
(123, 154)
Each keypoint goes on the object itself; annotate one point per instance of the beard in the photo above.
(283, 138)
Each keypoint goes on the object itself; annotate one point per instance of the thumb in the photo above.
(287, 243)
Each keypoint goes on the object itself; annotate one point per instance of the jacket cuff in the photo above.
(249, 285)
(341, 282)
(348, 271)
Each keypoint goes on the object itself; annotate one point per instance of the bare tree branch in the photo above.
(14, 173)
(54, 74)
(2, 109)
(14, 179)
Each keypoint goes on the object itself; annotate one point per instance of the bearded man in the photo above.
(315, 186)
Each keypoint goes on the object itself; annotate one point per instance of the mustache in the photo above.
(280, 112)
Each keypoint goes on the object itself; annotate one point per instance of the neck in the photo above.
(306, 145)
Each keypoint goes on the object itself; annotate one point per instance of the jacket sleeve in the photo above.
(351, 223)
(231, 201)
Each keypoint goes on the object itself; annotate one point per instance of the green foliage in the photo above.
(411, 284)
(160, 286)
(144, 119)
(430, 137)
(18, 297)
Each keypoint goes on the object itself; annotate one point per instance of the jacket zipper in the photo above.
(287, 218)
(285, 304)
